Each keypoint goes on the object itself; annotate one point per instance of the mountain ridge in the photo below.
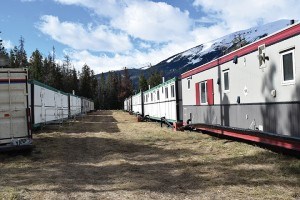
(196, 56)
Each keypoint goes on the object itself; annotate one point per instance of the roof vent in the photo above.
(292, 21)
(235, 59)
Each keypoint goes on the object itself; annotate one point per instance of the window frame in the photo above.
(166, 92)
(200, 92)
(228, 79)
(173, 91)
(288, 82)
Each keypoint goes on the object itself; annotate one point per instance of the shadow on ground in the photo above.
(99, 121)
(94, 164)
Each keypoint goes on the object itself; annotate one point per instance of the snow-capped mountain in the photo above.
(201, 54)
(206, 52)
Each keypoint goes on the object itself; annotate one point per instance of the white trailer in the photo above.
(92, 106)
(47, 104)
(74, 105)
(86, 105)
(137, 104)
(127, 104)
(164, 101)
(15, 129)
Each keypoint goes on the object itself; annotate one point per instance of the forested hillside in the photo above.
(107, 93)
(206, 52)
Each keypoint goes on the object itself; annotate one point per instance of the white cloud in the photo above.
(132, 59)
(158, 22)
(7, 44)
(106, 8)
(158, 29)
(75, 35)
(162, 30)
(147, 20)
(144, 45)
(237, 15)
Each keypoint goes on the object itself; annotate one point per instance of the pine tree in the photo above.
(94, 85)
(67, 74)
(58, 81)
(126, 87)
(114, 91)
(36, 66)
(86, 83)
(102, 92)
(155, 79)
(143, 85)
(4, 58)
(13, 61)
(18, 56)
(21, 54)
(111, 91)
(75, 81)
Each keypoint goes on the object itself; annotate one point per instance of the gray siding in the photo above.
(279, 118)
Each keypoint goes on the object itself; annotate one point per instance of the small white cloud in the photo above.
(7, 44)
(144, 45)
(75, 35)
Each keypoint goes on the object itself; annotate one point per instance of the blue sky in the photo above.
(112, 34)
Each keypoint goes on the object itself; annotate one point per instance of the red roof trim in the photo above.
(277, 37)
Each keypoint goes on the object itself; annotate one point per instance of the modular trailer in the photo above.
(87, 105)
(252, 93)
(164, 101)
(49, 105)
(15, 130)
(128, 104)
(138, 104)
(74, 105)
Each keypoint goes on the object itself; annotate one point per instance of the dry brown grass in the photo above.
(108, 155)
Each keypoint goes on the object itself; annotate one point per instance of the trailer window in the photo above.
(166, 93)
(226, 80)
(157, 95)
(203, 92)
(151, 96)
(288, 67)
(172, 90)
(189, 83)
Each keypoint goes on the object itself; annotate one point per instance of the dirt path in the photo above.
(108, 155)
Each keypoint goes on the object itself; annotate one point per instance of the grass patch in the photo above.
(109, 155)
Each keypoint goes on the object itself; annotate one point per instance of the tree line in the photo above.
(108, 91)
